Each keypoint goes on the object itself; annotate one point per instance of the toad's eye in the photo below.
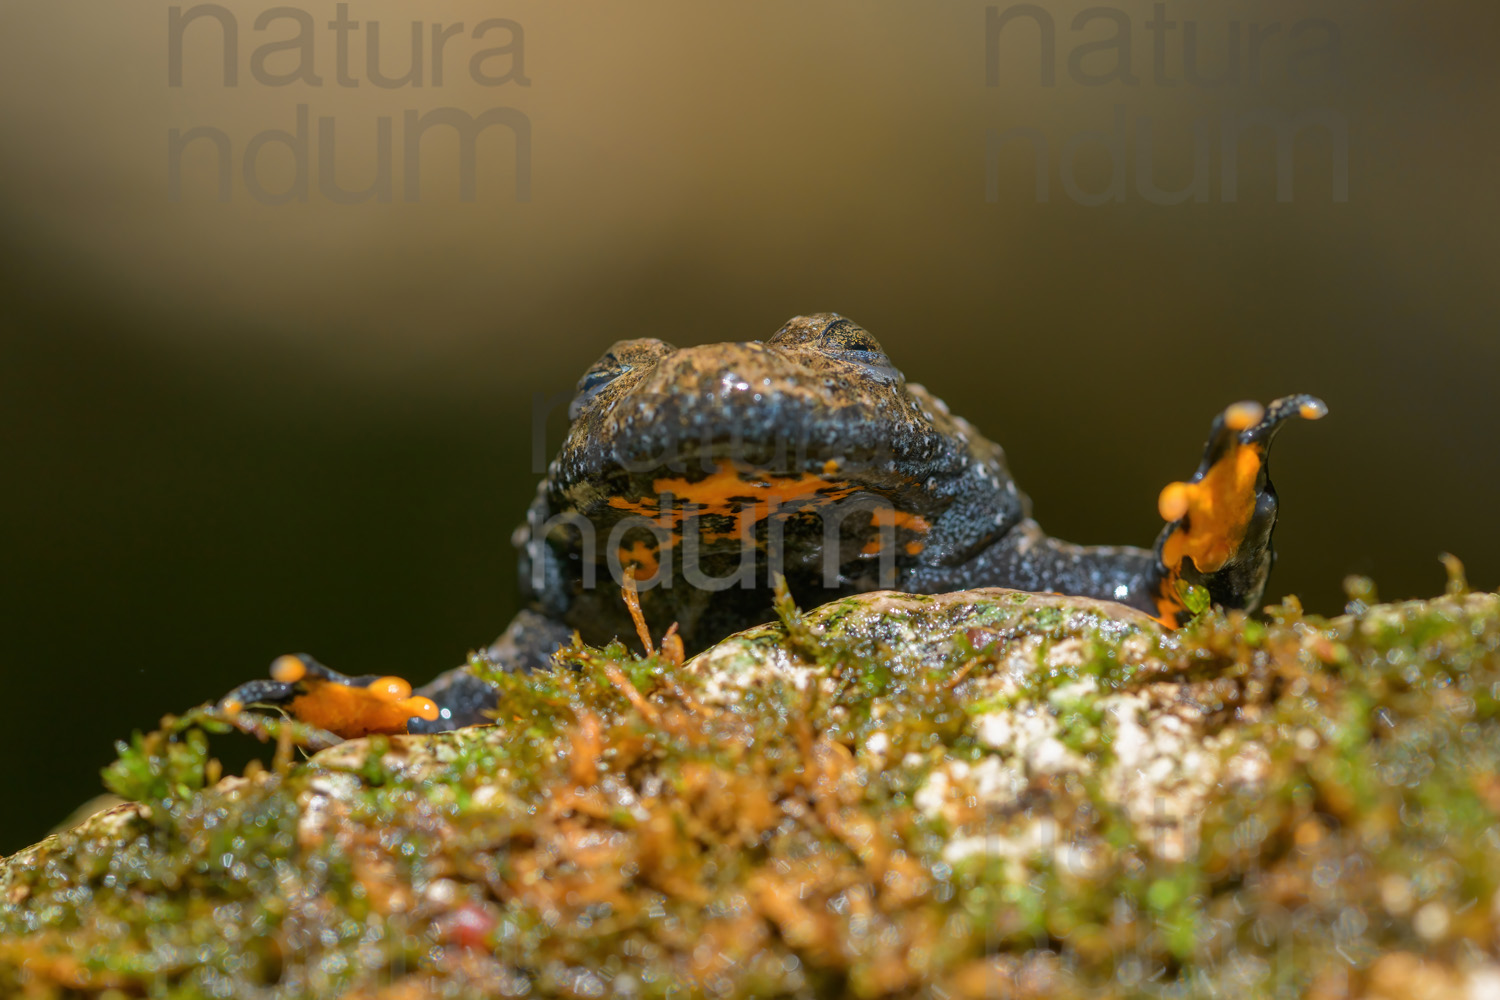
(850, 342)
(600, 378)
(593, 382)
(640, 356)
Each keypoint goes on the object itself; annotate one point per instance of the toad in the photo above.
(699, 476)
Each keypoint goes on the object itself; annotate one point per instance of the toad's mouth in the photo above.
(781, 517)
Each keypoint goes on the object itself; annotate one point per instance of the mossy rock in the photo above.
(983, 794)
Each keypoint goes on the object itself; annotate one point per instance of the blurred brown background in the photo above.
(231, 429)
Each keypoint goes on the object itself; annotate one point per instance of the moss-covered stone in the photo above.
(983, 794)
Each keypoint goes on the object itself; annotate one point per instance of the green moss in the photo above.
(883, 797)
(159, 768)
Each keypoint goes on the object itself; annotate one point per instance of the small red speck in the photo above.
(470, 925)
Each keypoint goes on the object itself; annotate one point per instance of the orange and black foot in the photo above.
(348, 707)
(345, 706)
(1216, 547)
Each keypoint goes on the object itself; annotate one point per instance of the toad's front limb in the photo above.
(345, 706)
(372, 704)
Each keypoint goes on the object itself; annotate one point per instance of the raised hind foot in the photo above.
(1216, 547)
